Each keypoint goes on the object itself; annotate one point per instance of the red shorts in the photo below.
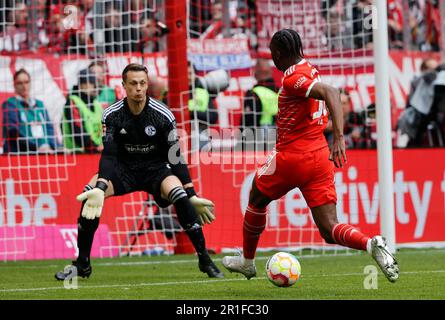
(312, 172)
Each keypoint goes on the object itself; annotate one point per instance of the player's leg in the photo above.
(271, 182)
(86, 228)
(253, 225)
(325, 217)
(319, 193)
(173, 191)
(254, 221)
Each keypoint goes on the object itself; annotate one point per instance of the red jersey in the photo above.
(301, 120)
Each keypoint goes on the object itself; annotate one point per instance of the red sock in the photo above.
(348, 236)
(254, 224)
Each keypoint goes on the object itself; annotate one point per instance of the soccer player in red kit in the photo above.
(302, 159)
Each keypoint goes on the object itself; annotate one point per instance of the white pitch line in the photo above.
(142, 263)
(153, 284)
(156, 262)
(131, 285)
(362, 274)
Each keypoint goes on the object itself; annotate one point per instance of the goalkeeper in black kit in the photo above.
(141, 153)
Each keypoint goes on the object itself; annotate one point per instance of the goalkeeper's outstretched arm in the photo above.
(94, 198)
(204, 207)
(108, 158)
(174, 157)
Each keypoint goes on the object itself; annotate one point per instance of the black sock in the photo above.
(85, 236)
(196, 236)
(190, 223)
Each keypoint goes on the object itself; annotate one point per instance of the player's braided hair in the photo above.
(289, 40)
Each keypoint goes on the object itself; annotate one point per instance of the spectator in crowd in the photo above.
(14, 36)
(82, 123)
(106, 94)
(336, 37)
(119, 37)
(67, 33)
(395, 24)
(423, 117)
(57, 36)
(261, 102)
(151, 33)
(428, 65)
(134, 10)
(157, 88)
(361, 17)
(234, 25)
(87, 15)
(215, 26)
(369, 120)
(26, 123)
(36, 31)
(433, 32)
(201, 105)
(417, 24)
(200, 17)
(337, 34)
(354, 124)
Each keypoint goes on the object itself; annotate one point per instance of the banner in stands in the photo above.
(38, 219)
(212, 54)
(299, 15)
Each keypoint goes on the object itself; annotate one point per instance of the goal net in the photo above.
(234, 36)
(61, 63)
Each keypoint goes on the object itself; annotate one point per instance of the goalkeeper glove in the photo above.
(95, 201)
(204, 209)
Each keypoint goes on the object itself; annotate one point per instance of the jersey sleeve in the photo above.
(173, 153)
(109, 153)
(300, 83)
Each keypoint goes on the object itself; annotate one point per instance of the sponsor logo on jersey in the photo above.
(313, 71)
(136, 148)
(123, 131)
(289, 71)
(150, 131)
(300, 82)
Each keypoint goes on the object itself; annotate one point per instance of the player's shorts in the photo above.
(312, 172)
(126, 180)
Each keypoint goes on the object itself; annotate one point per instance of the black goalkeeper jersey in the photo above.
(142, 142)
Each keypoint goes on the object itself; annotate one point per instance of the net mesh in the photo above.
(335, 40)
(48, 154)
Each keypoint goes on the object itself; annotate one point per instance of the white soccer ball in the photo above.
(283, 269)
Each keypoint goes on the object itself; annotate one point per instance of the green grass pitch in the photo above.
(177, 277)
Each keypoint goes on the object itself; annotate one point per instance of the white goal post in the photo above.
(383, 113)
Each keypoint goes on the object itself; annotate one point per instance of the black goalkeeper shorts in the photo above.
(126, 180)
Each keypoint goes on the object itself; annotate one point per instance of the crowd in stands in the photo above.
(128, 27)
(412, 24)
(422, 123)
(66, 26)
(69, 26)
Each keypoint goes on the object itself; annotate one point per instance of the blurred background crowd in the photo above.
(95, 28)
(413, 24)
